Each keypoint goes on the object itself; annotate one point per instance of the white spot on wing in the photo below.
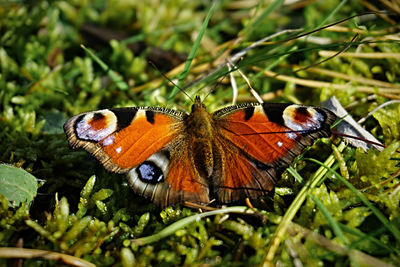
(279, 143)
(118, 149)
(109, 140)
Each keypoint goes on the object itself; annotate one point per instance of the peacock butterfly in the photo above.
(171, 156)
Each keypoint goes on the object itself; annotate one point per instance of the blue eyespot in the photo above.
(149, 172)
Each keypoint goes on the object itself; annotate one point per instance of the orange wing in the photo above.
(257, 140)
(147, 144)
(237, 176)
(122, 138)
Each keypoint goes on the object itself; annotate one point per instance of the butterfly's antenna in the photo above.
(168, 79)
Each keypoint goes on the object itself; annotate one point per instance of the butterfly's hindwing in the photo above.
(237, 176)
(169, 180)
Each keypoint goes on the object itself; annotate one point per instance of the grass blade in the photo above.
(271, 7)
(114, 76)
(378, 214)
(193, 51)
(171, 229)
(295, 206)
(335, 226)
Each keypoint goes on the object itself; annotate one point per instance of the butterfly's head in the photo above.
(198, 104)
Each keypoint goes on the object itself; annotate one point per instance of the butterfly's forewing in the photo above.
(145, 143)
(258, 140)
(122, 138)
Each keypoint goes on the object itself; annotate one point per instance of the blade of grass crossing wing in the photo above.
(190, 58)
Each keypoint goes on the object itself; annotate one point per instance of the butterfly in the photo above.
(171, 156)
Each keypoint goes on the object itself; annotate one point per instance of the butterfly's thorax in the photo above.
(200, 130)
(199, 123)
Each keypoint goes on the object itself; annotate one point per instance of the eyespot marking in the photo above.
(301, 114)
(95, 126)
(302, 119)
(156, 163)
(149, 172)
(98, 121)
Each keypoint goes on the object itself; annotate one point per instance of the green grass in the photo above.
(332, 206)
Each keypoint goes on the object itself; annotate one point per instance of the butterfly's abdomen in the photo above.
(200, 131)
(203, 156)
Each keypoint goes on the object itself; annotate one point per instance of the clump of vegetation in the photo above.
(335, 205)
